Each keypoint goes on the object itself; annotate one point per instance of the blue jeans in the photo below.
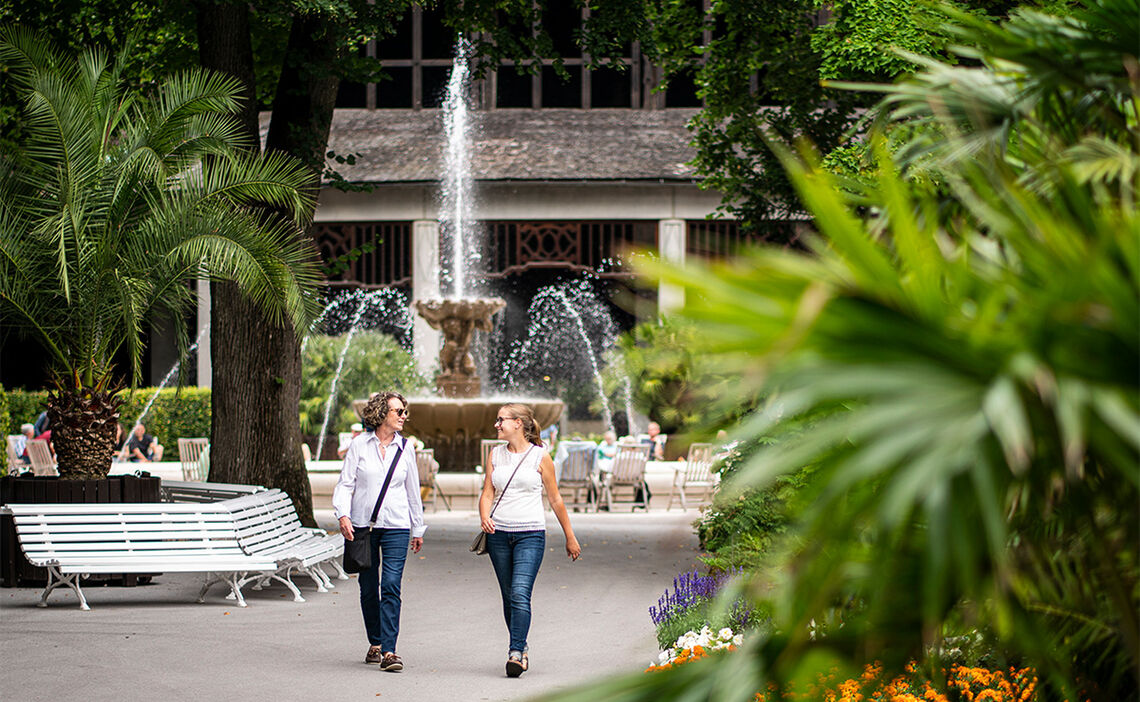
(380, 587)
(516, 557)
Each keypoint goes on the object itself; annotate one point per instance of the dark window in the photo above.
(438, 40)
(610, 87)
(561, 20)
(562, 92)
(397, 90)
(435, 85)
(513, 88)
(398, 45)
(682, 91)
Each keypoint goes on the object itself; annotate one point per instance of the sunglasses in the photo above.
(500, 420)
(400, 411)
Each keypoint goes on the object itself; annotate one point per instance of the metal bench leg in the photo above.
(314, 572)
(211, 578)
(320, 570)
(55, 579)
(340, 574)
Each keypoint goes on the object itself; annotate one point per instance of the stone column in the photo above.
(672, 241)
(205, 368)
(425, 286)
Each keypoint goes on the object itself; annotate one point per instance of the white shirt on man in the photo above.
(362, 476)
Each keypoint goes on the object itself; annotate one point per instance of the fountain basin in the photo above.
(453, 427)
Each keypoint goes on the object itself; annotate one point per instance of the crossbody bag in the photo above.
(479, 545)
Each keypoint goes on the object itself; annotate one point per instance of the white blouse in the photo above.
(362, 476)
(521, 508)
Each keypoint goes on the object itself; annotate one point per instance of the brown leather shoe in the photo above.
(374, 655)
(391, 663)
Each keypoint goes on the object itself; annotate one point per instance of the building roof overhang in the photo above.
(556, 146)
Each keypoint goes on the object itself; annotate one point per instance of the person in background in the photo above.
(42, 423)
(656, 441)
(142, 447)
(372, 456)
(27, 433)
(517, 472)
(357, 430)
(607, 450)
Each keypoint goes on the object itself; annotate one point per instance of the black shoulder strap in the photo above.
(387, 481)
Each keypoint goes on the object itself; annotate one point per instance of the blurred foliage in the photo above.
(669, 382)
(374, 362)
(986, 339)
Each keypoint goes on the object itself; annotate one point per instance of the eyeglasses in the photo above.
(400, 411)
(500, 420)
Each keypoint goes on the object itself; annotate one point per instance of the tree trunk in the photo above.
(256, 432)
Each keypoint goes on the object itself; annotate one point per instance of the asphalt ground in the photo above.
(153, 642)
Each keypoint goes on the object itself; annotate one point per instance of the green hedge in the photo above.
(175, 413)
(3, 423)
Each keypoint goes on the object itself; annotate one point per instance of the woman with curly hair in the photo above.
(515, 476)
(378, 497)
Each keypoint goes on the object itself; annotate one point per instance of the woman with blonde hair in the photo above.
(511, 514)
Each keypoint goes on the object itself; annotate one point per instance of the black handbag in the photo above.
(479, 545)
(358, 552)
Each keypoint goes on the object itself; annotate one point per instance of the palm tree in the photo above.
(114, 202)
(984, 470)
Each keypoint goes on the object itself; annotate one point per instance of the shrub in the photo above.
(3, 423)
(175, 413)
(23, 407)
(374, 361)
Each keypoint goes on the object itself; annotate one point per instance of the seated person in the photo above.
(27, 433)
(607, 450)
(120, 442)
(142, 446)
(656, 440)
(346, 439)
(46, 436)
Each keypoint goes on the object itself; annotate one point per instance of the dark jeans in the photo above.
(380, 587)
(516, 557)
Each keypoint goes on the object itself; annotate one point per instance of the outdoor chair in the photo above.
(428, 469)
(40, 454)
(14, 460)
(485, 448)
(579, 479)
(627, 473)
(190, 455)
(695, 477)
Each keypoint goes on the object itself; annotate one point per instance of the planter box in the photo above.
(15, 571)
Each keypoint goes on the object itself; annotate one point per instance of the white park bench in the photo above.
(268, 527)
(74, 540)
(191, 491)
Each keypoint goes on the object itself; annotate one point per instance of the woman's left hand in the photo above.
(417, 543)
(573, 549)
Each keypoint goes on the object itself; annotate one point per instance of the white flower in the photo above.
(738, 639)
(724, 634)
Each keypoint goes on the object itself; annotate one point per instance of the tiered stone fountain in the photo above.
(454, 422)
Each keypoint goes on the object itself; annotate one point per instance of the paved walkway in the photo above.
(154, 642)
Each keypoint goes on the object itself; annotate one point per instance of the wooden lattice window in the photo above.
(582, 246)
(723, 238)
(389, 264)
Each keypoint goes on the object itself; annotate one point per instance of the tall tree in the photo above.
(115, 201)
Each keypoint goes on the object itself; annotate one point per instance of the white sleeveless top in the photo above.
(521, 508)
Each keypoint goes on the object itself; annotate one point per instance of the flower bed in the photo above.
(963, 683)
(696, 644)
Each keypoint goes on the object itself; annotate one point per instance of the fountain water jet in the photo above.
(166, 378)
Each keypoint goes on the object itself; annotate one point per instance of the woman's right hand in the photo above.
(346, 528)
(487, 525)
